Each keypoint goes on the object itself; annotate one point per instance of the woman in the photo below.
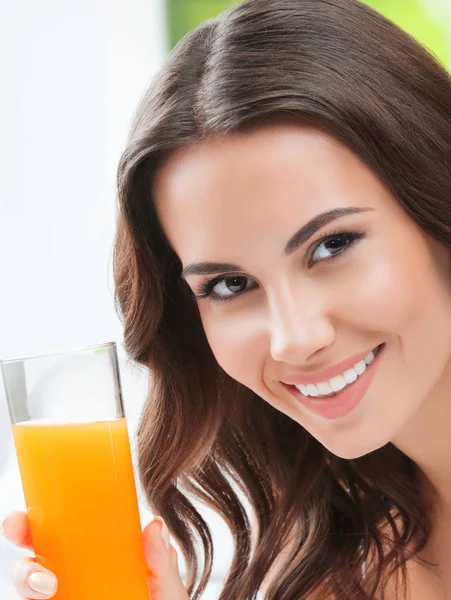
(284, 233)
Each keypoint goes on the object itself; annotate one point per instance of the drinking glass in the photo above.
(73, 450)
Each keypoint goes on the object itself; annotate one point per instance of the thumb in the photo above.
(165, 582)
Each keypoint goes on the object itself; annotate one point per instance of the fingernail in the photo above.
(164, 532)
(43, 583)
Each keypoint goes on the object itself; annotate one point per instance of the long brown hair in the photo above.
(202, 435)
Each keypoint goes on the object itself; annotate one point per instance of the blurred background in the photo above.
(72, 74)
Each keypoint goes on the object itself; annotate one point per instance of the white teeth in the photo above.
(324, 388)
(336, 384)
(369, 357)
(312, 391)
(350, 375)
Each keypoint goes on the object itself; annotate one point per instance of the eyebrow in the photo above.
(297, 239)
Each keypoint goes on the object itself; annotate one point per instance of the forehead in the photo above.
(250, 185)
(277, 153)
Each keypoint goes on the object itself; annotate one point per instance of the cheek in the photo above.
(394, 293)
(425, 322)
(382, 298)
(408, 294)
(238, 344)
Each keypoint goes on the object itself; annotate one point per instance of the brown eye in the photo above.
(225, 288)
(235, 284)
(334, 245)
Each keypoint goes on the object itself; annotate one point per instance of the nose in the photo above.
(299, 326)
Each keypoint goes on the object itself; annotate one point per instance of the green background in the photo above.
(433, 32)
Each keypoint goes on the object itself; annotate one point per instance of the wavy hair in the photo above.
(343, 527)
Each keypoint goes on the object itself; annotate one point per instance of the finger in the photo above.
(31, 580)
(164, 577)
(15, 528)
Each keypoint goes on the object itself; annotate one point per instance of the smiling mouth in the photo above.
(348, 384)
(343, 401)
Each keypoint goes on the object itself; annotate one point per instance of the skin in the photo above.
(240, 200)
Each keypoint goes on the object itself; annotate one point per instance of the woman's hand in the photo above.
(31, 580)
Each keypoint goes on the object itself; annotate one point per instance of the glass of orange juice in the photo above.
(73, 450)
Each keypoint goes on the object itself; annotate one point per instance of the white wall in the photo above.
(72, 74)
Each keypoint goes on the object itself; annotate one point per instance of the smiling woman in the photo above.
(283, 268)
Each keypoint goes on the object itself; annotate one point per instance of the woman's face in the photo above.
(276, 309)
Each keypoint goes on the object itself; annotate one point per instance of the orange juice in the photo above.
(80, 492)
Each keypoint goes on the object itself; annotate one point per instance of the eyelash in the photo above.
(206, 286)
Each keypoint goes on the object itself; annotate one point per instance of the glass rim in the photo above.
(57, 352)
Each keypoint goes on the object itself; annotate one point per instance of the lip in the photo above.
(344, 401)
(327, 374)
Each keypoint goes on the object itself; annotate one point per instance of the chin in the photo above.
(354, 449)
